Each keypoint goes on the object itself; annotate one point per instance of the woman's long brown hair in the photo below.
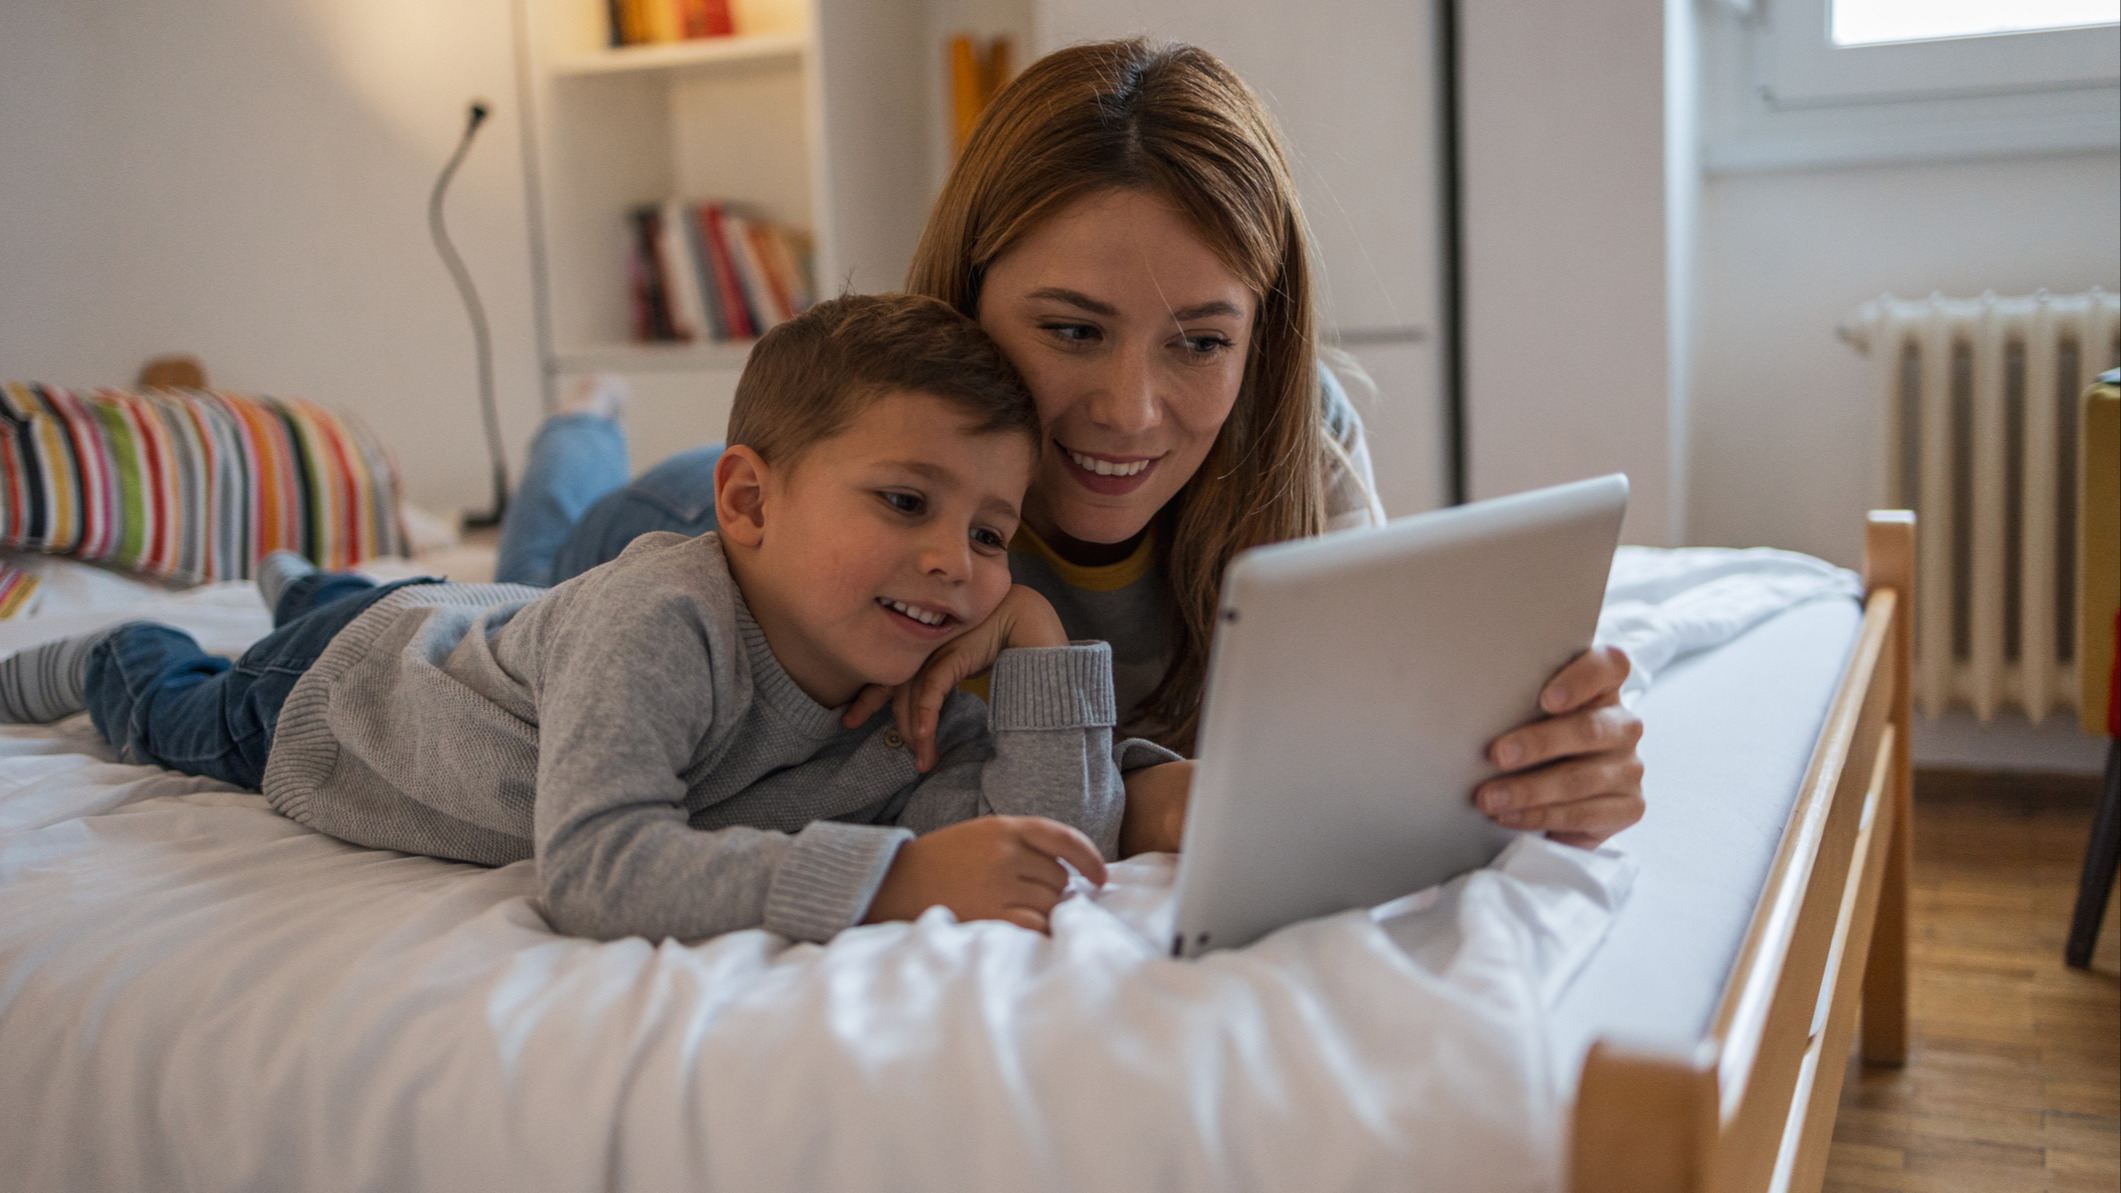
(1173, 121)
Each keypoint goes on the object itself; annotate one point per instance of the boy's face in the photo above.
(876, 546)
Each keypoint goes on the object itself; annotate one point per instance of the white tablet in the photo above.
(1353, 688)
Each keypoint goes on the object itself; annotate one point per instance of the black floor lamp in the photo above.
(481, 338)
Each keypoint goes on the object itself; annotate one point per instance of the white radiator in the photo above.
(1979, 402)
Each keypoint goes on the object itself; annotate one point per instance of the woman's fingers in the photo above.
(1579, 802)
(1613, 771)
(1059, 841)
(1574, 775)
(1593, 675)
(1586, 731)
(1588, 821)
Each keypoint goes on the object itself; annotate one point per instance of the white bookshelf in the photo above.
(704, 52)
(817, 113)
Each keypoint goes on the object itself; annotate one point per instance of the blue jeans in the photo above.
(575, 510)
(158, 698)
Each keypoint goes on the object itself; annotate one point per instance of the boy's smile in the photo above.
(925, 618)
(876, 545)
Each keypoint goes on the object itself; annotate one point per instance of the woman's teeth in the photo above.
(1107, 467)
(924, 616)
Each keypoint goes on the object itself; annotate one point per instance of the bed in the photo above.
(196, 993)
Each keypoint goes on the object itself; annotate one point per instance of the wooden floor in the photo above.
(2014, 1081)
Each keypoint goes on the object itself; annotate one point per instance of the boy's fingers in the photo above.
(903, 716)
(1044, 873)
(1024, 917)
(1057, 840)
(927, 710)
(866, 702)
(932, 686)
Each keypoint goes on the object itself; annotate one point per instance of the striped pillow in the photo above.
(16, 589)
(191, 485)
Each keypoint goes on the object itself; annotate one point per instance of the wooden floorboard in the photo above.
(2014, 1077)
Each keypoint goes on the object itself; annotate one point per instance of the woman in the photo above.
(1124, 224)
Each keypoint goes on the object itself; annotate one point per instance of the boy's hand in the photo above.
(1575, 773)
(1155, 819)
(992, 868)
(1022, 619)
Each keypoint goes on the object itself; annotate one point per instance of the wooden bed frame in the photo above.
(1751, 1105)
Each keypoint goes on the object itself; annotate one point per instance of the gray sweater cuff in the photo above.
(1135, 753)
(1052, 687)
(828, 876)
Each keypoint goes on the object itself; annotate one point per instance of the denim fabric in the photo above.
(574, 460)
(314, 591)
(677, 494)
(160, 699)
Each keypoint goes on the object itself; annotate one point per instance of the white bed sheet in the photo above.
(195, 992)
(1726, 738)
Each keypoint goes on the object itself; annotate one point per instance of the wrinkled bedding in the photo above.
(198, 993)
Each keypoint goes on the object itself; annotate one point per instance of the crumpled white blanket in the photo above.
(197, 993)
(1662, 605)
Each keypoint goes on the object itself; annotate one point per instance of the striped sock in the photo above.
(47, 681)
(278, 570)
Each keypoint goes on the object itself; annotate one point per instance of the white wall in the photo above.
(247, 180)
(1784, 437)
(1563, 159)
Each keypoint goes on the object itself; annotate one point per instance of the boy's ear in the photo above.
(740, 478)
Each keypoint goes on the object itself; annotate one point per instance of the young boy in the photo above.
(661, 733)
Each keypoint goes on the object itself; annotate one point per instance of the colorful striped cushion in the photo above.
(190, 484)
(16, 589)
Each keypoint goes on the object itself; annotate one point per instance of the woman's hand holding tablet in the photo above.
(1574, 774)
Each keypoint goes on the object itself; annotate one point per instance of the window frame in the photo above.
(1798, 65)
(1755, 114)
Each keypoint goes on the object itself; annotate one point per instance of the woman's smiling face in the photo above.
(1133, 336)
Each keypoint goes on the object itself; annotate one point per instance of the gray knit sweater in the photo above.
(631, 730)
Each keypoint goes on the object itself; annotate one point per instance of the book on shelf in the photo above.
(646, 22)
(651, 307)
(977, 74)
(714, 240)
(714, 271)
(681, 279)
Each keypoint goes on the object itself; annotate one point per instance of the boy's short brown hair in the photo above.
(812, 375)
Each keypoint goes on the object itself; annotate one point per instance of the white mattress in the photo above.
(1726, 739)
(195, 992)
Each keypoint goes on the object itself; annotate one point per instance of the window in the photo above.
(1857, 51)
(1881, 22)
(1813, 82)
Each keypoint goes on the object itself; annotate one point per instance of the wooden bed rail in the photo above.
(1751, 1106)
